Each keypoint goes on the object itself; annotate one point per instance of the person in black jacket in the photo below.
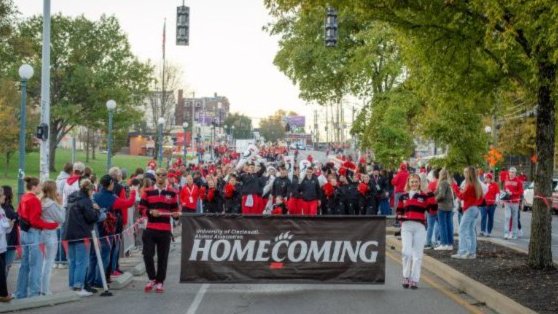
(231, 195)
(311, 193)
(281, 185)
(81, 218)
(352, 198)
(252, 190)
(382, 194)
(366, 196)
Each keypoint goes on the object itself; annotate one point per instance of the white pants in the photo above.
(413, 237)
(50, 240)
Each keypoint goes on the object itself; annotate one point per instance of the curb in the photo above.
(138, 270)
(41, 301)
(121, 281)
(492, 298)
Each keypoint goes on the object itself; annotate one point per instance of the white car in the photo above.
(530, 191)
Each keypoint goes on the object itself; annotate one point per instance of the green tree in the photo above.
(242, 125)
(272, 128)
(474, 50)
(91, 63)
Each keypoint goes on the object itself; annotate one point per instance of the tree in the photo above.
(272, 128)
(173, 81)
(242, 125)
(91, 63)
(474, 50)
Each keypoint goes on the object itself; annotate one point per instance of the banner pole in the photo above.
(100, 264)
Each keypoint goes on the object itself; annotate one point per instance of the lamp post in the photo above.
(160, 124)
(185, 126)
(213, 125)
(111, 105)
(487, 130)
(25, 73)
(232, 134)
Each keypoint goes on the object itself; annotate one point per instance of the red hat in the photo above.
(489, 176)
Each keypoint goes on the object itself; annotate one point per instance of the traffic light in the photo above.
(331, 28)
(182, 26)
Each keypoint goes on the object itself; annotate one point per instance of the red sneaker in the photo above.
(159, 288)
(116, 273)
(149, 286)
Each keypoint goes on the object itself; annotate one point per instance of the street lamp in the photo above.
(25, 73)
(160, 123)
(232, 134)
(185, 126)
(111, 105)
(487, 130)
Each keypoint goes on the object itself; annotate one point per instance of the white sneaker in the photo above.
(83, 293)
(449, 247)
(520, 233)
(440, 248)
(459, 256)
(471, 256)
(506, 236)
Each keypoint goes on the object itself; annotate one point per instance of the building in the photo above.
(209, 114)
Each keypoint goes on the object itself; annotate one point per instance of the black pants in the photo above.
(160, 241)
(3, 279)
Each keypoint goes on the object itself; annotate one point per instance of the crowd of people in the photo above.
(55, 220)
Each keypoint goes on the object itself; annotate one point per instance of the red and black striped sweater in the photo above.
(165, 201)
(415, 208)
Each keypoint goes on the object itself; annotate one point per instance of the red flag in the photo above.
(65, 246)
(87, 243)
(42, 248)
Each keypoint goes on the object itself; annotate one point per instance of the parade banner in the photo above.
(283, 249)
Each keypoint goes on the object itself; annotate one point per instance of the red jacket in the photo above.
(469, 196)
(30, 209)
(189, 196)
(515, 187)
(328, 190)
(432, 185)
(400, 180)
(493, 190)
(123, 204)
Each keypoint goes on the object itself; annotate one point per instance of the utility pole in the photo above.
(193, 124)
(45, 94)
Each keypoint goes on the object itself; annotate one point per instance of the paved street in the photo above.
(522, 242)
(186, 298)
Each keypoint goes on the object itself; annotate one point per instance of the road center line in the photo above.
(197, 300)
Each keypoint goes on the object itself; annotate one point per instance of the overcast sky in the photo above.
(229, 53)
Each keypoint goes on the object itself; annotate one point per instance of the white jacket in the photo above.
(5, 228)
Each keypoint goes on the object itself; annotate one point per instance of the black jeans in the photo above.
(3, 279)
(160, 241)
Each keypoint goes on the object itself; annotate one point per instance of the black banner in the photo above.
(275, 249)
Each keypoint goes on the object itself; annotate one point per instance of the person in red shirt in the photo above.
(189, 195)
(514, 188)
(472, 198)
(398, 182)
(487, 211)
(31, 225)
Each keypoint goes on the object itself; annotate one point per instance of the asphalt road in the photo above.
(431, 297)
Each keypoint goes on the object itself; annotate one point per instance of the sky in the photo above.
(229, 53)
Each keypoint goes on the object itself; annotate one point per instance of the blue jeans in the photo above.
(445, 223)
(94, 278)
(51, 247)
(431, 221)
(467, 231)
(115, 253)
(78, 257)
(487, 218)
(29, 277)
(384, 207)
(61, 255)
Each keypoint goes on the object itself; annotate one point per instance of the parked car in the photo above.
(529, 192)
(298, 146)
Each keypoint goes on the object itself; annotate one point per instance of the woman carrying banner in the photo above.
(252, 189)
(411, 212)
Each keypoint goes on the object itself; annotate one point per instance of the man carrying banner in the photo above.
(158, 203)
